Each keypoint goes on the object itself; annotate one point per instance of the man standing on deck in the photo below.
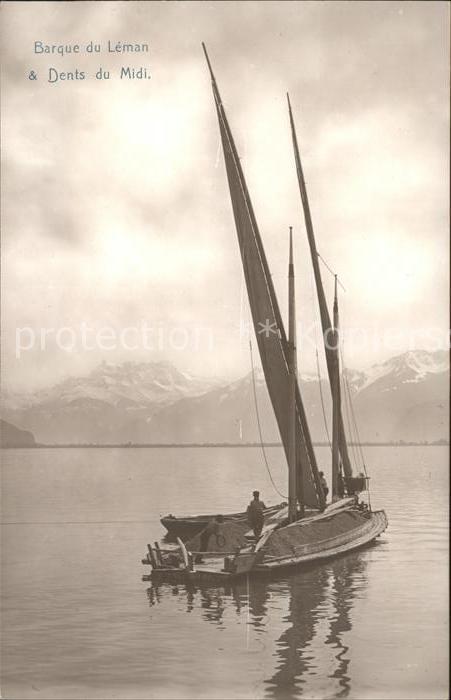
(255, 515)
(341, 485)
(324, 485)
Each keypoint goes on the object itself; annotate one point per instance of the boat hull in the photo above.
(184, 527)
(373, 524)
(367, 528)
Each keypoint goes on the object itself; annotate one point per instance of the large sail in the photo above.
(324, 312)
(268, 325)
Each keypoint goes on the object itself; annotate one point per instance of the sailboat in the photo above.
(308, 529)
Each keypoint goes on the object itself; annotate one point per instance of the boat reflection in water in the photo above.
(321, 603)
(298, 625)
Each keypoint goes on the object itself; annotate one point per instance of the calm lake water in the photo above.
(78, 621)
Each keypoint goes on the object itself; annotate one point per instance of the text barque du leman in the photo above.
(91, 47)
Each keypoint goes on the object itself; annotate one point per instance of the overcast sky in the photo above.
(116, 209)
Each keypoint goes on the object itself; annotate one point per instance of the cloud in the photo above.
(115, 199)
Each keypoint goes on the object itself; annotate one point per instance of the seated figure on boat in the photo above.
(255, 515)
(213, 528)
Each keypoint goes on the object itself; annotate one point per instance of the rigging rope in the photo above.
(356, 445)
(330, 270)
(259, 424)
(359, 444)
(322, 400)
(312, 293)
(354, 420)
(351, 415)
(352, 439)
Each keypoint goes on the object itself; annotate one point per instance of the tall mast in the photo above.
(324, 312)
(292, 309)
(292, 368)
(267, 320)
(336, 400)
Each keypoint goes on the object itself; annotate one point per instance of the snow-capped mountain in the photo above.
(99, 406)
(404, 398)
(132, 384)
(412, 366)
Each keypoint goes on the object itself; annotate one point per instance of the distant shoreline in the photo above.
(161, 445)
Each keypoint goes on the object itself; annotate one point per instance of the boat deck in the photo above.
(338, 530)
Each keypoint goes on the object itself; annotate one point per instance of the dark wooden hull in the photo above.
(187, 527)
(372, 525)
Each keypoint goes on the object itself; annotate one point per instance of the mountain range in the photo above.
(402, 399)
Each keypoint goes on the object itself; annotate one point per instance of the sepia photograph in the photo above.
(225, 350)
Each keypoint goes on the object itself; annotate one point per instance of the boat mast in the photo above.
(269, 329)
(336, 400)
(324, 312)
(292, 368)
